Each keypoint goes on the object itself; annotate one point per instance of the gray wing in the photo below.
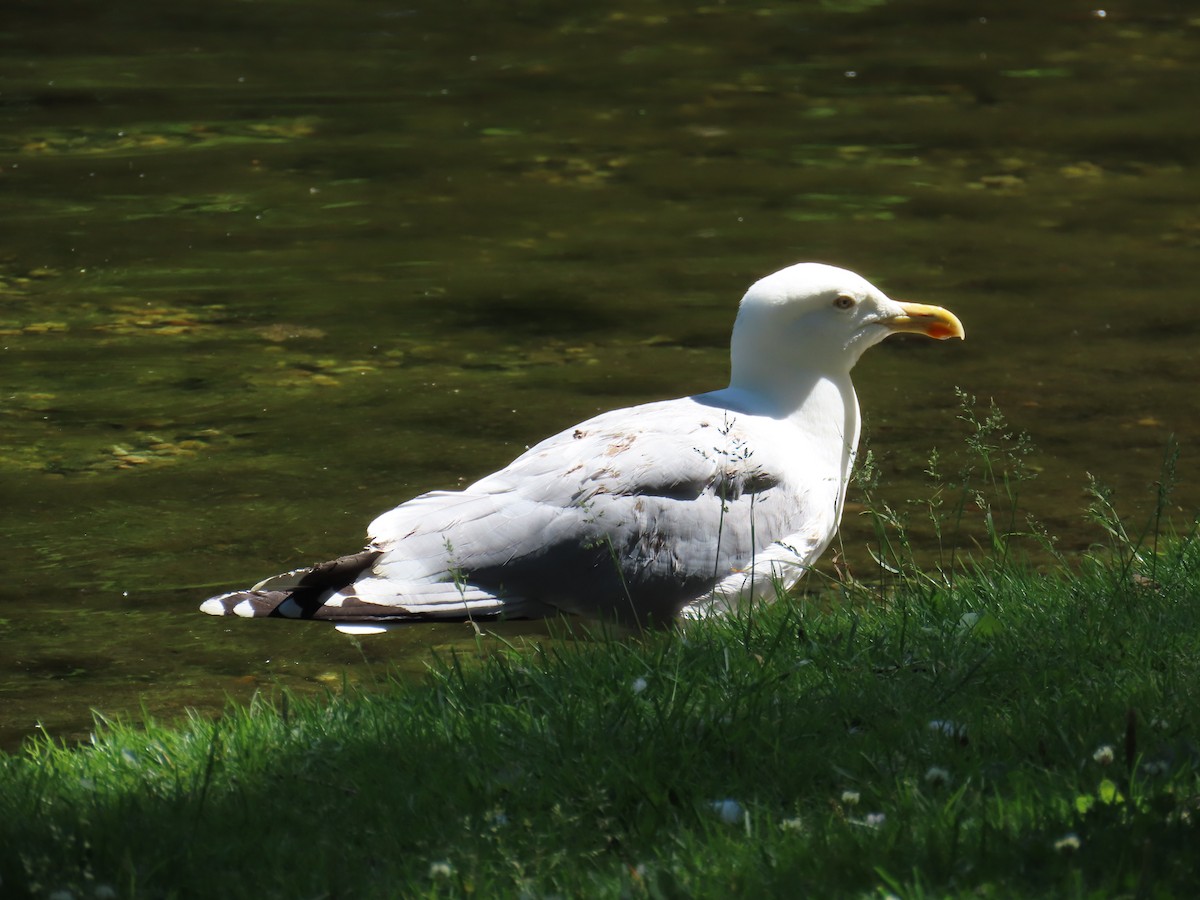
(632, 514)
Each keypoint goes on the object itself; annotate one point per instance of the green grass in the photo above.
(946, 742)
(979, 728)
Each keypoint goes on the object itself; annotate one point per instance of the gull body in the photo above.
(644, 514)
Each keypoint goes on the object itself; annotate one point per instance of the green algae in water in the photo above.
(162, 138)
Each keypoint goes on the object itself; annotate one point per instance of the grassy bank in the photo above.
(1016, 733)
(953, 728)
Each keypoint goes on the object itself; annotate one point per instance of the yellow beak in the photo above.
(931, 321)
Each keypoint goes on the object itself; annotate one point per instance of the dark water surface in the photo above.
(270, 267)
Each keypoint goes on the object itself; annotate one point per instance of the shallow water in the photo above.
(270, 268)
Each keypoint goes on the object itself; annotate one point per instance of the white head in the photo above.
(812, 321)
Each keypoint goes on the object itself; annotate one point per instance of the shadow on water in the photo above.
(267, 272)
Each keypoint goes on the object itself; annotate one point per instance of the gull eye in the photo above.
(844, 301)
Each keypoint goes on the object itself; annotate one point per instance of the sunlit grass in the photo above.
(974, 727)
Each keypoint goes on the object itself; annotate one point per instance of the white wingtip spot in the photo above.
(213, 606)
(245, 609)
(356, 628)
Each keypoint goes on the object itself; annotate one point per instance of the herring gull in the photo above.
(639, 515)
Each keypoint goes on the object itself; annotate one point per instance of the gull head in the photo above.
(817, 320)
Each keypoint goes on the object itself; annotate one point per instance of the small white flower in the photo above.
(937, 776)
(1104, 755)
(639, 685)
(729, 811)
(1069, 841)
(793, 824)
(875, 820)
(441, 869)
(851, 798)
